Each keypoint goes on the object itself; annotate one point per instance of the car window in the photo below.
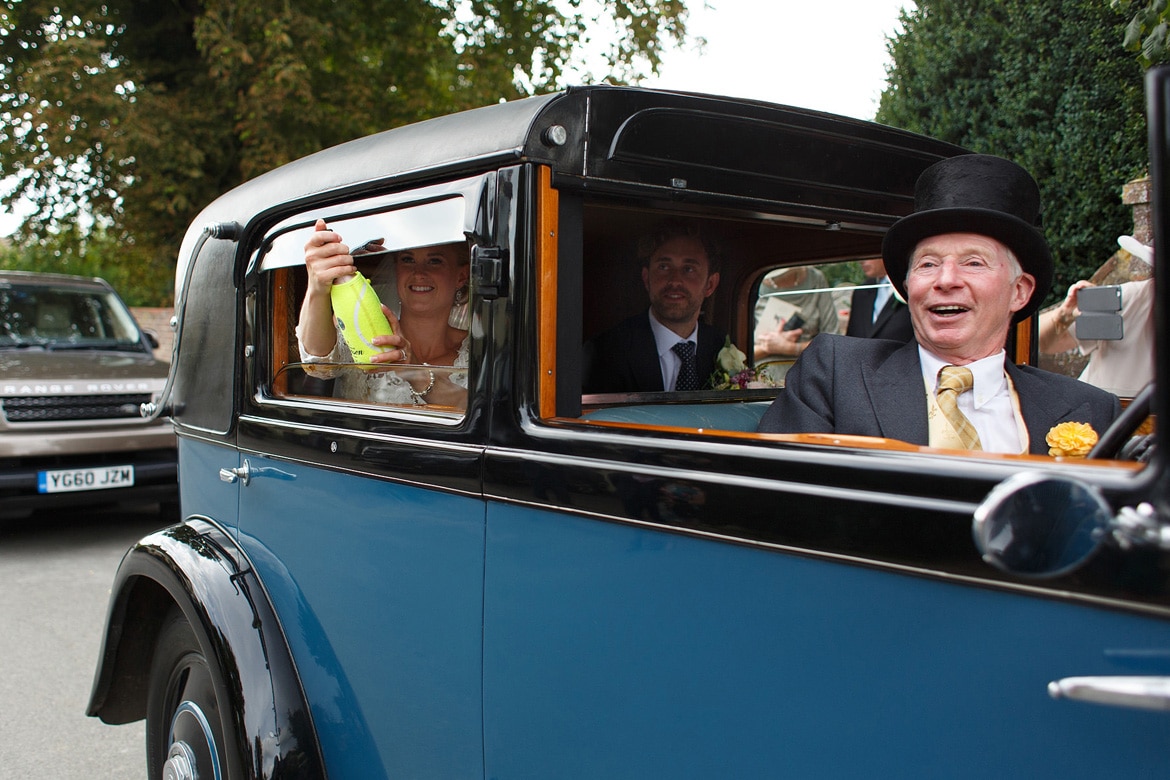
(769, 270)
(782, 283)
(408, 258)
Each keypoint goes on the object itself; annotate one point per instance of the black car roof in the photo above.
(669, 140)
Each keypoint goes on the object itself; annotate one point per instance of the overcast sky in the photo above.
(828, 55)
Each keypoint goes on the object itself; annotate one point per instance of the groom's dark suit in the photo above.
(873, 387)
(624, 359)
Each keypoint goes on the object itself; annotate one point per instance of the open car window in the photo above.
(777, 277)
(389, 241)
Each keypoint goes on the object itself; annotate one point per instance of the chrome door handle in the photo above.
(243, 474)
(1145, 693)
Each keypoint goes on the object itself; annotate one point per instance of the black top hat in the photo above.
(975, 193)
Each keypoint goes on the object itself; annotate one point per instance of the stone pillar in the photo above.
(1136, 193)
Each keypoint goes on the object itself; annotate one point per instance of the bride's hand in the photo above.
(401, 352)
(326, 259)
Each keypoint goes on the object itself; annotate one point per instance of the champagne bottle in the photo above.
(359, 317)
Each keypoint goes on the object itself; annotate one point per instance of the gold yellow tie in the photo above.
(953, 381)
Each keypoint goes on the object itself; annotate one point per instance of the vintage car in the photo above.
(75, 369)
(537, 582)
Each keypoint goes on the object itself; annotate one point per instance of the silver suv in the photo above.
(74, 369)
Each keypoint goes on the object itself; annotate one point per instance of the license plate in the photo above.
(99, 478)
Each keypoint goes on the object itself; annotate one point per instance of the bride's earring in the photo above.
(460, 316)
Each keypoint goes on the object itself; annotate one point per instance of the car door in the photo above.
(668, 593)
(688, 614)
(363, 517)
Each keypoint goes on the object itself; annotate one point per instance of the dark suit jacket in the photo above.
(873, 387)
(893, 321)
(624, 359)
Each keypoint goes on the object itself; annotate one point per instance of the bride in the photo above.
(430, 282)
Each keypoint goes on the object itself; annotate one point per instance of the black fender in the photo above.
(196, 566)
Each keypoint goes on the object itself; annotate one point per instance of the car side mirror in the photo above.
(1041, 526)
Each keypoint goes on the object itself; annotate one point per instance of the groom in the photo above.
(665, 348)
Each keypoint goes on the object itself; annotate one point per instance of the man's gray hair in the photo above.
(1013, 263)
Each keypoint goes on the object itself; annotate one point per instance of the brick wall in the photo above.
(159, 321)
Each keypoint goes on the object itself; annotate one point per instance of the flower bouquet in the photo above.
(732, 371)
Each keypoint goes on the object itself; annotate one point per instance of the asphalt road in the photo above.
(55, 576)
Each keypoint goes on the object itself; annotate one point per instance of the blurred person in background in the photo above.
(795, 304)
(876, 312)
(1122, 366)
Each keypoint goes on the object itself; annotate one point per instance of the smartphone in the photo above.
(1099, 319)
(1104, 298)
(1100, 326)
(794, 322)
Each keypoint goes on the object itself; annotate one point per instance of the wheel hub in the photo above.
(180, 763)
(192, 754)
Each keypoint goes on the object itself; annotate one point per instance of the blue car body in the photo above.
(541, 583)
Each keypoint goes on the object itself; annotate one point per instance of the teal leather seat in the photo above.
(735, 416)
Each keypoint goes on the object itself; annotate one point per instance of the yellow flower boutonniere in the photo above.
(1071, 440)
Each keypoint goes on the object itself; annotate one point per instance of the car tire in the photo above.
(185, 735)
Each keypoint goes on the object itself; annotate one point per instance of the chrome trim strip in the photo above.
(357, 408)
(383, 438)
(776, 485)
(387, 438)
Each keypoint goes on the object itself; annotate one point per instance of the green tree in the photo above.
(136, 113)
(1148, 31)
(95, 252)
(1048, 85)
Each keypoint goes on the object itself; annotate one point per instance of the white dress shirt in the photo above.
(988, 405)
(668, 359)
(881, 296)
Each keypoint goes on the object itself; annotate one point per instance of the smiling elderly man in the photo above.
(970, 262)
